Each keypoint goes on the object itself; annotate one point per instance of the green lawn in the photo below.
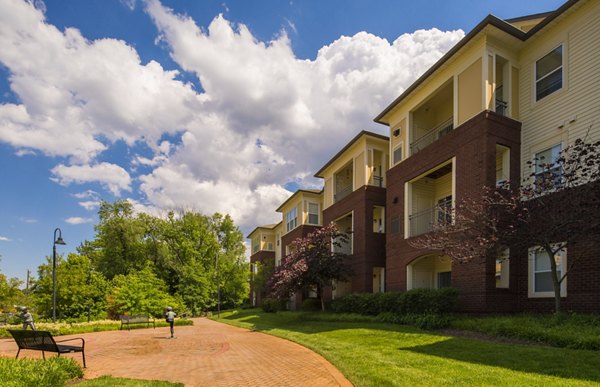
(375, 354)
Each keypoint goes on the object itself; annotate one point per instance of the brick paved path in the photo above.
(205, 354)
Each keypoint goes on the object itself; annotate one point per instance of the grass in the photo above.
(85, 327)
(109, 381)
(565, 330)
(376, 354)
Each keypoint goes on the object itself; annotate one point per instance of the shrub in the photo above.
(427, 321)
(55, 371)
(272, 305)
(416, 301)
(310, 305)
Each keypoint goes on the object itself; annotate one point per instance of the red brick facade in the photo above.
(368, 246)
(473, 147)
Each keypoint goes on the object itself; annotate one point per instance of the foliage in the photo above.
(313, 262)
(55, 371)
(141, 292)
(378, 354)
(310, 304)
(10, 293)
(79, 290)
(560, 330)
(554, 209)
(428, 321)
(272, 305)
(110, 381)
(73, 328)
(191, 253)
(415, 302)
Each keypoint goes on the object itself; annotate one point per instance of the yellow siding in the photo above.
(443, 186)
(469, 92)
(328, 193)
(571, 111)
(490, 84)
(360, 169)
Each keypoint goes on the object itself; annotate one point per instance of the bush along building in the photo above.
(510, 94)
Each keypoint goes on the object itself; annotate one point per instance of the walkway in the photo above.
(205, 354)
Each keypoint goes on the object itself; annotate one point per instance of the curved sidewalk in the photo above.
(208, 353)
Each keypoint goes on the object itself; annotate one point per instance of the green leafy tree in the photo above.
(80, 291)
(10, 293)
(120, 245)
(140, 292)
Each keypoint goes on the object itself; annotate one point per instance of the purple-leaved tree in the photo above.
(313, 263)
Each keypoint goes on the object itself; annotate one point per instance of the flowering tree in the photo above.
(313, 262)
(556, 208)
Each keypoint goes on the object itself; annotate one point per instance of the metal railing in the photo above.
(342, 193)
(376, 181)
(501, 107)
(427, 220)
(434, 134)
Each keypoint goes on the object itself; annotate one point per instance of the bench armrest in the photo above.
(76, 338)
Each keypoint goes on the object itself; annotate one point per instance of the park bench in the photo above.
(43, 341)
(137, 319)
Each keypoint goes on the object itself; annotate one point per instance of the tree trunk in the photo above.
(555, 280)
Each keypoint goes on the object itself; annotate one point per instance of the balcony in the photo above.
(377, 181)
(344, 182)
(342, 193)
(432, 135)
(431, 219)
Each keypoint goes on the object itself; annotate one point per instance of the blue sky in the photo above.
(212, 106)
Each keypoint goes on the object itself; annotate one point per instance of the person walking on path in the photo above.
(170, 317)
(27, 319)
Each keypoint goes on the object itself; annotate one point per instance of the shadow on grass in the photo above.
(559, 362)
(541, 360)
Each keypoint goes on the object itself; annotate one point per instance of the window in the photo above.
(270, 246)
(313, 213)
(549, 73)
(502, 269)
(540, 274)
(397, 155)
(444, 279)
(547, 172)
(291, 219)
(255, 245)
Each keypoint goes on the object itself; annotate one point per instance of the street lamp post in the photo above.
(57, 241)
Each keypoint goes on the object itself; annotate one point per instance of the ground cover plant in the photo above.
(85, 327)
(109, 381)
(55, 371)
(562, 330)
(371, 353)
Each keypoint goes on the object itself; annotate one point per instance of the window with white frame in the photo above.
(397, 154)
(313, 213)
(549, 73)
(255, 245)
(291, 219)
(270, 246)
(547, 171)
(540, 272)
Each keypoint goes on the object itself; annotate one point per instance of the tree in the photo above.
(140, 292)
(80, 291)
(555, 209)
(313, 262)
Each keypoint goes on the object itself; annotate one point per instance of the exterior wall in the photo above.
(473, 147)
(566, 114)
(469, 91)
(368, 246)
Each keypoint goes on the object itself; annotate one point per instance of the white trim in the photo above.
(531, 274)
(563, 71)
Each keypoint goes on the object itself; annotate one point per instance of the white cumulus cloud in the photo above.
(113, 177)
(4, 239)
(78, 220)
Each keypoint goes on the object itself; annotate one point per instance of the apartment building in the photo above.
(509, 92)
(264, 246)
(354, 199)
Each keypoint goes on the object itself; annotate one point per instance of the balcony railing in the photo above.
(377, 181)
(344, 248)
(501, 107)
(430, 219)
(342, 193)
(434, 134)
